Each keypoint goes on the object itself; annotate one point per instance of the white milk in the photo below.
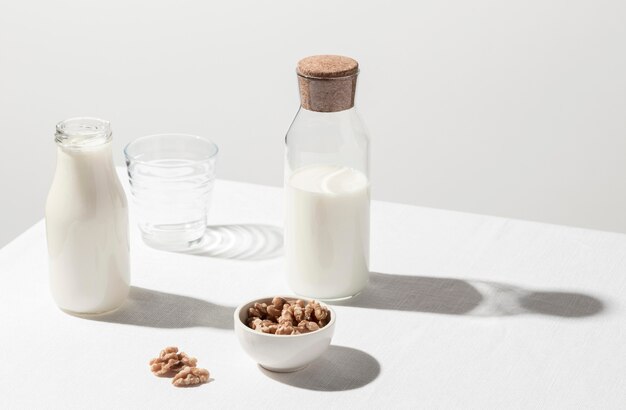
(327, 231)
(87, 230)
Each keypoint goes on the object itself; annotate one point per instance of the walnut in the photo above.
(321, 313)
(284, 329)
(298, 313)
(312, 326)
(306, 326)
(278, 302)
(262, 325)
(190, 376)
(273, 312)
(180, 366)
(308, 312)
(254, 322)
(254, 312)
(287, 317)
(171, 361)
(261, 307)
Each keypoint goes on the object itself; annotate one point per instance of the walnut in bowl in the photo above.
(287, 316)
(298, 342)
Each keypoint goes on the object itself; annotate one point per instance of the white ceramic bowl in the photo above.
(282, 353)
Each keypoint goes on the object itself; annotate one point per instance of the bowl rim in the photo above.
(328, 326)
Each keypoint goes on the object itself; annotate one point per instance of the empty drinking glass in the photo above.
(171, 178)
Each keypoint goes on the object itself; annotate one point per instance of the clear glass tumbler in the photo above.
(171, 178)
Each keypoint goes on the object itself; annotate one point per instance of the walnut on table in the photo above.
(190, 376)
(180, 366)
(170, 361)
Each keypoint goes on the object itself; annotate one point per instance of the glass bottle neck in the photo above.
(83, 133)
(306, 113)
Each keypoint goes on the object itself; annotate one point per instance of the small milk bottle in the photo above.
(327, 184)
(87, 221)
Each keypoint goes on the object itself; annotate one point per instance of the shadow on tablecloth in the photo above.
(340, 368)
(150, 308)
(252, 242)
(452, 296)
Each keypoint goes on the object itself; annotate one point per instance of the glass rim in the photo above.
(134, 158)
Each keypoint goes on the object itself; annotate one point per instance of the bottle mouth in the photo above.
(83, 132)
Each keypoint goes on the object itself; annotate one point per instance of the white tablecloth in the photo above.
(463, 311)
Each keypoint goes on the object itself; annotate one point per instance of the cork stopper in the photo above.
(327, 82)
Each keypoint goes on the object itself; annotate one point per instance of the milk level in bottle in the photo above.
(87, 221)
(328, 238)
(326, 184)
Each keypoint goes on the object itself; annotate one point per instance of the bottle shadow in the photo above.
(340, 368)
(150, 308)
(452, 296)
(251, 242)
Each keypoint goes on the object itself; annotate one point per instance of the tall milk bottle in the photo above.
(326, 184)
(87, 221)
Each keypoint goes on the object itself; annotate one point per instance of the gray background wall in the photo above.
(515, 109)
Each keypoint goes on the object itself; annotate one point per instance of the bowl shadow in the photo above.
(340, 368)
